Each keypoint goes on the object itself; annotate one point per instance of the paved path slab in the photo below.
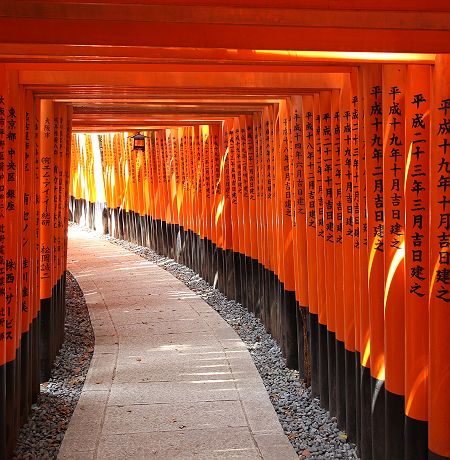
(169, 379)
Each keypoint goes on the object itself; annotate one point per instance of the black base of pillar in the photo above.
(340, 385)
(45, 346)
(378, 418)
(230, 276)
(300, 342)
(290, 329)
(366, 414)
(395, 426)
(12, 404)
(3, 450)
(332, 378)
(416, 439)
(237, 276)
(313, 330)
(350, 394)
(434, 456)
(25, 374)
(36, 363)
(323, 366)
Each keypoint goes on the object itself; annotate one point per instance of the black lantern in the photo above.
(139, 142)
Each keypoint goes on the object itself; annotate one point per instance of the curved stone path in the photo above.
(169, 378)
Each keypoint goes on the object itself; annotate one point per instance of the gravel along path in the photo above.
(311, 431)
(41, 436)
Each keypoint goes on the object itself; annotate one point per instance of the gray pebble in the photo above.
(41, 436)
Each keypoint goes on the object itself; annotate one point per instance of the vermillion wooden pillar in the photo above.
(266, 219)
(252, 240)
(14, 191)
(375, 224)
(233, 235)
(394, 164)
(35, 261)
(257, 198)
(29, 283)
(5, 333)
(439, 298)
(46, 143)
(226, 212)
(217, 201)
(299, 222)
(417, 189)
(309, 142)
(336, 133)
(3, 341)
(326, 147)
(361, 262)
(348, 265)
(203, 205)
(320, 248)
(289, 304)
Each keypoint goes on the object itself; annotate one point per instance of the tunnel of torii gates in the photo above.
(312, 186)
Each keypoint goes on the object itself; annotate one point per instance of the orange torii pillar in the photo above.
(181, 194)
(14, 212)
(329, 241)
(347, 120)
(3, 360)
(320, 248)
(439, 294)
(190, 196)
(224, 213)
(175, 187)
(338, 256)
(299, 223)
(309, 141)
(140, 170)
(252, 233)
(204, 240)
(232, 260)
(152, 181)
(189, 165)
(258, 182)
(265, 218)
(28, 255)
(288, 298)
(417, 189)
(275, 244)
(195, 198)
(159, 195)
(217, 191)
(246, 272)
(240, 218)
(361, 257)
(373, 400)
(11, 182)
(47, 165)
(394, 164)
(34, 220)
(210, 207)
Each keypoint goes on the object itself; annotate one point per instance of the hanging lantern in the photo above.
(139, 142)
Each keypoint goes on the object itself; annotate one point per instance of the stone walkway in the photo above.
(169, 378)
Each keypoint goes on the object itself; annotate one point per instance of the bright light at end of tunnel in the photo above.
(349, 56)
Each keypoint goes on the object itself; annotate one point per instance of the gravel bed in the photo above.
(309, 427)
(41, 436)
